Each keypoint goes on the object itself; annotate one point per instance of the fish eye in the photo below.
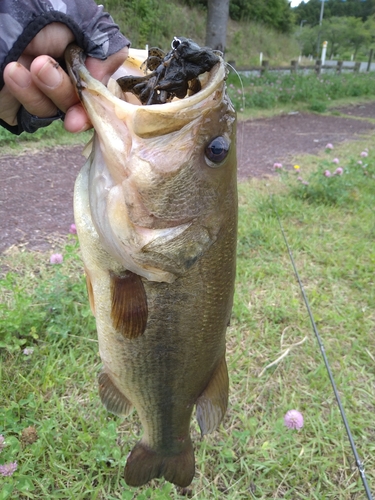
(216, 151)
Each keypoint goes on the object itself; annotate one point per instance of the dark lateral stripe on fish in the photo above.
(129, 304)
(111, 397)
(144, 464)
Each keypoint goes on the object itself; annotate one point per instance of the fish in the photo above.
(155, 207)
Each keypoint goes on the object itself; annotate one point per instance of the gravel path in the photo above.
(37, 189)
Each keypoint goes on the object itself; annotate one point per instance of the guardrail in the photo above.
(336, 66)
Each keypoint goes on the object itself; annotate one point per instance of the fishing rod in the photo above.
(358, 461)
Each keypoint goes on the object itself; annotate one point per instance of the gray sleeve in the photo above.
(20, 20)
(94, 30)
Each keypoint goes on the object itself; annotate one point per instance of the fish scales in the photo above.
(156, 213)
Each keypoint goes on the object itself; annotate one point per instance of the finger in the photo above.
(52, 80)
(102, 70)
(19, 82)
(76, 119)
(9, 106)
(51, 40)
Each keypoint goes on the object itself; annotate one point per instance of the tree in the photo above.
(357, 34)
(306, 39)
(334, 31)
(275, 13)
(309, 11)
(217, 20)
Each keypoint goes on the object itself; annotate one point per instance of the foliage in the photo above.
(309, 11)
(275, 89)
(349, 184)
(156, 23)
(80, 449)
(342, 34)
(275, 13)
(54, 309)
(164, 20)
(246, 40)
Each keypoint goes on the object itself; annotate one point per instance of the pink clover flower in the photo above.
(293, 419)
(56, 258)
(8, 469)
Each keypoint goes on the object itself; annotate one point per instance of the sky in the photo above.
(296, 2)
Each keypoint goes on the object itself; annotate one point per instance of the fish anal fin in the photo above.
(213, 402)
(90, 291)
(144, 464)
(112, 398)
(129, 309)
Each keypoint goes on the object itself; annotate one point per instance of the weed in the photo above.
(43, 302)
(330, 184)
(275, 89)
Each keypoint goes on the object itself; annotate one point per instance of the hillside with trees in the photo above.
(309, 12)
(270, 27)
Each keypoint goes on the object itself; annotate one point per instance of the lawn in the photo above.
(67, 446)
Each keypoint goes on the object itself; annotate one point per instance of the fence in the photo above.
(329, 66)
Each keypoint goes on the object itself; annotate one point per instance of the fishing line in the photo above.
(243, 108)
(241, 82)
(359, 464)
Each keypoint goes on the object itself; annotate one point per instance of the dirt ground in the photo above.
(36, 190)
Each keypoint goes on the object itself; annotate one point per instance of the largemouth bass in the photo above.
(156, 213)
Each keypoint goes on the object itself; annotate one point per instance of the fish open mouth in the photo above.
(151, 86)
(172, 75)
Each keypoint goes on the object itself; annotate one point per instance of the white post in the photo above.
(260, 58)
(324, 52)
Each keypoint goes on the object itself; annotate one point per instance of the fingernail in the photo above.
(50, 75)
(20, 75)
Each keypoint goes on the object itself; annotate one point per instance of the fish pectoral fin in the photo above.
(129, 309)
(112, 398)
(144, 464)
(213, 402)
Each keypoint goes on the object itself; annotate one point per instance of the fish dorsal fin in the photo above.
(129, 304)
(112, 398)
(213, 402)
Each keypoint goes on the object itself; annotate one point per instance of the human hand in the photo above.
(38, 83)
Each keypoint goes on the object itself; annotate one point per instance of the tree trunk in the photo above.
(217, 20)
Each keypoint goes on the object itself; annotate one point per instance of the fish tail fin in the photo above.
(144, 464)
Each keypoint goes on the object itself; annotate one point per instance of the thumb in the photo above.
(102, 70)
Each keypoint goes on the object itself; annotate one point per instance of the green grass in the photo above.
(81, 449)
(42, 138)
(274, 90)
